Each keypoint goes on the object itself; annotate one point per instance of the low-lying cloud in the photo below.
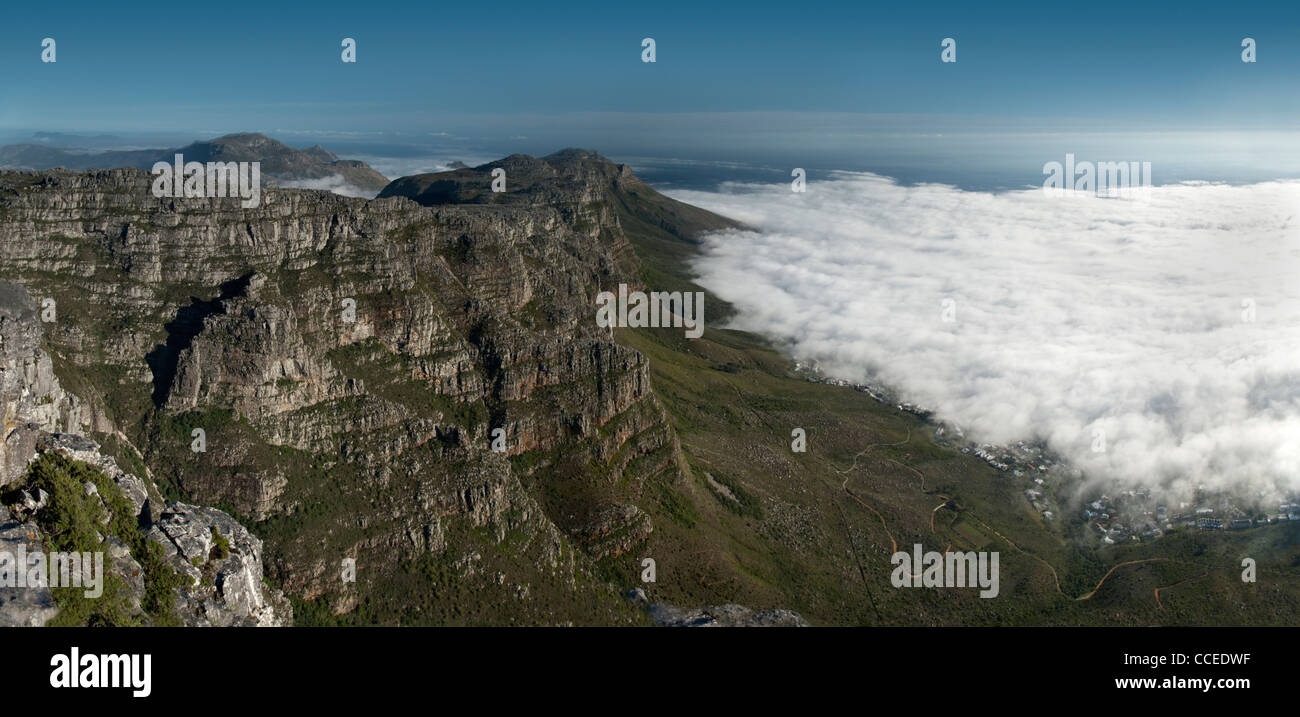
(1171, 323)
(333, 183)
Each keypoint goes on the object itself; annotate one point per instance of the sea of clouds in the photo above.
(1169, 323)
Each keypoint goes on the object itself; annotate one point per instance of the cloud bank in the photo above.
(1169, 324)
(333, 183)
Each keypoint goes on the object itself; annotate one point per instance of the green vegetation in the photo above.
(734, 497)
(220, 546)
(72, 521)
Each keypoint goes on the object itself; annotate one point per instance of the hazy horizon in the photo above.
(716, 153)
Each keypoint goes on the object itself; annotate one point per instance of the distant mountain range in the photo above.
(280, 163)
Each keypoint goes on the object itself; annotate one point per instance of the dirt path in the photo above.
(1117, 567)
(937, 508)
(845, 486)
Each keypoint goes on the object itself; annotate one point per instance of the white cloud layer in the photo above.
(1072, 314)
(333, 183)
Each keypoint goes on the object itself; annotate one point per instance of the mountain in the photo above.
(280, 162)
(366, 439)
(40, 156)
(350, 363)
(284, 163)
(163, 564)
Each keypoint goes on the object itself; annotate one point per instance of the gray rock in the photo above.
(225, 590)
(121, 563)
(22, 606)
(31, 399)
(729, 615)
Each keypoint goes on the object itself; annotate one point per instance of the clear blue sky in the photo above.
(233, 65)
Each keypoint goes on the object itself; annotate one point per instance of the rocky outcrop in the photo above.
(722, 616)
(224, 562)
(728, 615)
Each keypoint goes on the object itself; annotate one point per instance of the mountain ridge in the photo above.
(303, 411)
(280, 162)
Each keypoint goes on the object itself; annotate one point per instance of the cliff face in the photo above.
(31, 400)
(349, 363)
(41, 418)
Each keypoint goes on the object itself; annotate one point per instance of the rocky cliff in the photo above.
(199, 586)
(31, 400)
(411, 387)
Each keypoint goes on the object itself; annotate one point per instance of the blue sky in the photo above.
(568, 71)
(278, 64)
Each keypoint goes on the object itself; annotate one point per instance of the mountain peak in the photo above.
(560, 176)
